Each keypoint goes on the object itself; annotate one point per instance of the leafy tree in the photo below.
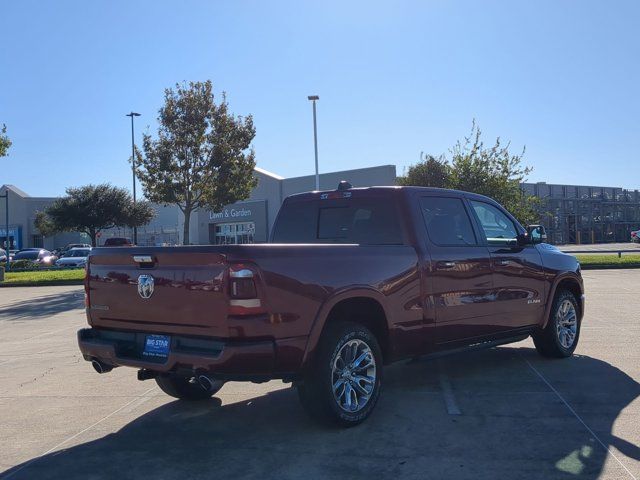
(492, 171)
(430, 172)
(5, 142)
(91, 209)
(202, 156)
(44, 224)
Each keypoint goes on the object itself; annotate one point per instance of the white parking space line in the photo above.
(76, 435)
(575, 414)
(447, 391)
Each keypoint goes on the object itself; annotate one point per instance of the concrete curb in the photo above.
(610, 266)
(41, 284)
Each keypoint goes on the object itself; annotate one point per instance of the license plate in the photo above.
(157, 345)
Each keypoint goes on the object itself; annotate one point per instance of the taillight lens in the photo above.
(241, 284)
(243, 292)
(87, 300)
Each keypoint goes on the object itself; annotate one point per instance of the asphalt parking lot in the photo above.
(500, 413)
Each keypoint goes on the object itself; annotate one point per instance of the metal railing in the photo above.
(596, 252)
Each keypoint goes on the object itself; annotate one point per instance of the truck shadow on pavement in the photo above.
(43, 307)
(513, 425)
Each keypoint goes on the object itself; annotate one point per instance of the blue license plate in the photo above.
(157, 345)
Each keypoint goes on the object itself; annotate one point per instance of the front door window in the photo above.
(497, 227)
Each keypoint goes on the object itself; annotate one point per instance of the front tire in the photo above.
(343, 384)
(560, 337)
(187, 388)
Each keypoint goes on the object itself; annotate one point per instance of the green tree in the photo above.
(91, 209)
(202, 156)
(43, 223)
(488, 170)
(430, 172)
(5, 142)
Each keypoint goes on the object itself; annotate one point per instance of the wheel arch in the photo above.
(363, 305)
(568, 281)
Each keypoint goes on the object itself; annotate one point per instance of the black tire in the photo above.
(186, 388)
(549, 342)
(316, 391)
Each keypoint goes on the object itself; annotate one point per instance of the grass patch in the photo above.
(608, 259)
(45, 277)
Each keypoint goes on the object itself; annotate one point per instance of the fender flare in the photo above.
(552, 293)
(325, 309)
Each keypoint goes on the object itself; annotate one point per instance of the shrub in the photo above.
(23, 264)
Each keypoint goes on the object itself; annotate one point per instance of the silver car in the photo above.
(75, 257)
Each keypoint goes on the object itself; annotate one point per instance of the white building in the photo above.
(243, 222)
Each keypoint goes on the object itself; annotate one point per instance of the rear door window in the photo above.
(447, 221)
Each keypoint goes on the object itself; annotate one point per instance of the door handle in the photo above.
(502, 263)
(445, 265)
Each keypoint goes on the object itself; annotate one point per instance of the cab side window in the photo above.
(497, 227)
(447, 221)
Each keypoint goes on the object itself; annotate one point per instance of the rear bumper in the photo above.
(218, 358)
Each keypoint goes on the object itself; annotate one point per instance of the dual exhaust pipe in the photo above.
(143, 374)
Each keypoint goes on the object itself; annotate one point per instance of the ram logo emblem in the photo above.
(145, 286)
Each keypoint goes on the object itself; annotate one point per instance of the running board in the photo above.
(471, 348)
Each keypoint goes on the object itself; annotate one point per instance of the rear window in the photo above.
(365, 221)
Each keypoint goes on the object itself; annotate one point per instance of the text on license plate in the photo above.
(157, 345)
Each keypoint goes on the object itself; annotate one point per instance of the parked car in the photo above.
(117, 242)
(75, 257)
(69, 246)
(3, 255)
(635, 236)
(36, 255)
(353, 280)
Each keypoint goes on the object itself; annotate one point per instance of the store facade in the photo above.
(251, 221)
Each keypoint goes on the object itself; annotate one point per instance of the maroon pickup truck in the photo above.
(353, 279)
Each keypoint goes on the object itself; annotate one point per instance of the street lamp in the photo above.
(6, 218)
(133, 168)
(313, 98)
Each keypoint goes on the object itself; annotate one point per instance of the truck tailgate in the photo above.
(181, 292)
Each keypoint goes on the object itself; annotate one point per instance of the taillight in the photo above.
(243, 292)
(87, 300)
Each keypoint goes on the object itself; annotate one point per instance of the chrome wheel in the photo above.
(566, 323)
(353, 375)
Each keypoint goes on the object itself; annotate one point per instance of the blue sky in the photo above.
(394, 79)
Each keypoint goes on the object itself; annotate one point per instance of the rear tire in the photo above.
(560, 337)
(343, 383)
(186, 388)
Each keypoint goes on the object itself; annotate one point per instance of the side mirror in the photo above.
(536, 234)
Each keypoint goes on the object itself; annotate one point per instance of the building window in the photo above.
(37, 241)
(232, 233)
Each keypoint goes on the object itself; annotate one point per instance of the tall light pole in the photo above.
(6, 219)
(314, 98)
(133, 169)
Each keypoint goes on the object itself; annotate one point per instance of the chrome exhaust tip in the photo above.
(205, 382)
(100, 367)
